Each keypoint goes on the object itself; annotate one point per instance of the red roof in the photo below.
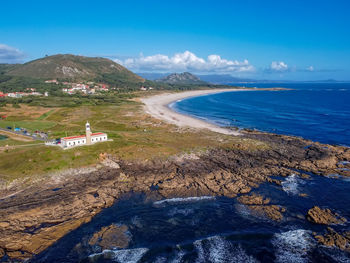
(82, 136)
(74, 137)
(97, 133)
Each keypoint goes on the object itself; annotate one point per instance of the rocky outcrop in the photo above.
(253, 199)
(260, 206)
(111, 237)
(33, 218)
(325, 216)
(332, 238)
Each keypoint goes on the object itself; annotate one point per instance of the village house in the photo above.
(51, 81)
(87, 139)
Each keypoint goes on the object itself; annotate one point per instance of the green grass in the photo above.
(29, 125)
(135, 137)
(45, 115)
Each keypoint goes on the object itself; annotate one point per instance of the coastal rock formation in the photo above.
(33, 218)
(321, 216)
(260, 205)
(253, 199)
(333, 238)
(110, 237)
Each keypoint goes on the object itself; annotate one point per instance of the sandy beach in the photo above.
(157, 106)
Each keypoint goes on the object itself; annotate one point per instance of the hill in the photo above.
(71, 67)
(181, 78)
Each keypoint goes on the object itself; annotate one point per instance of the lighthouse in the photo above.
(88, 139)
(88, 133)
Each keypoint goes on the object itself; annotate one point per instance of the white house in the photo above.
(87, 139)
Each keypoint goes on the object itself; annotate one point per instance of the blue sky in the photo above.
(300, 40)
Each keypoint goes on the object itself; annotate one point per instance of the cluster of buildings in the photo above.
(88, 88)
(84, 88)
(29, 92)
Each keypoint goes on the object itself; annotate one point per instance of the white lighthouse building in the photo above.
(87, 139)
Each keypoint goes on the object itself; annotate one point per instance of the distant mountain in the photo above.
(224, 79)
(74, 68)
(152, 76)
(181, 78)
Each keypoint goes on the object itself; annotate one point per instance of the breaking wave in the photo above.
(218, 250)
(291, 184)
(183, 200)
(293, 246)
(121, 256)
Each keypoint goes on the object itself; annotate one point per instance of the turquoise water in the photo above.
(320, 112)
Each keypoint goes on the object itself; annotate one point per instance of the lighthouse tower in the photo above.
(88, 133)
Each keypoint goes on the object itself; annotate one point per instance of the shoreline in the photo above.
(34, 218)
(158, 107)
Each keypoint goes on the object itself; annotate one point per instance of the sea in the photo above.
(220, 229)
(315, 111)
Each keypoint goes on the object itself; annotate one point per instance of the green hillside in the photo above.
(71, 67)
(185, 78)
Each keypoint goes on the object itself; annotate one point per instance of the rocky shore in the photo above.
(33, 219)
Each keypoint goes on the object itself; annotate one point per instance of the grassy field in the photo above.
(29, 125)
(136, 136)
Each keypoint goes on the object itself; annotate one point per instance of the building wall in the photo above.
(75, 142)
(83, 141)
(99, 138)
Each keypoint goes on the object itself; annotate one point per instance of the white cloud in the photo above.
(278, 66)
(10, 54)
(186, 61)
(311, 68)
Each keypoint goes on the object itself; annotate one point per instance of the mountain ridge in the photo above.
(181, 78)
(68, 66)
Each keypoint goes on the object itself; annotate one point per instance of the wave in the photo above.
(183, 200)
(291, 184)
(123, 256)
(218, 250)
(293, 246)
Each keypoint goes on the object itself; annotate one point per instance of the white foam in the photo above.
(120, 256)
(178, 257)
(293, 246)
(183, 200)
(218, 250)
(291, 184)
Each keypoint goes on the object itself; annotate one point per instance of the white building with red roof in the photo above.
(87, 139)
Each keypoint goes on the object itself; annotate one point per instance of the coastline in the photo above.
(158, 107)
(35, 217)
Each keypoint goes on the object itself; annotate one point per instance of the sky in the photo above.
(289, 40)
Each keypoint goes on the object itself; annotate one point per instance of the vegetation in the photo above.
(72, 68)
(136, 136)
(182, 78)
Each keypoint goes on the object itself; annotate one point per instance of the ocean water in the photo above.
(213, 229)
(317, 111)
(219, 229)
